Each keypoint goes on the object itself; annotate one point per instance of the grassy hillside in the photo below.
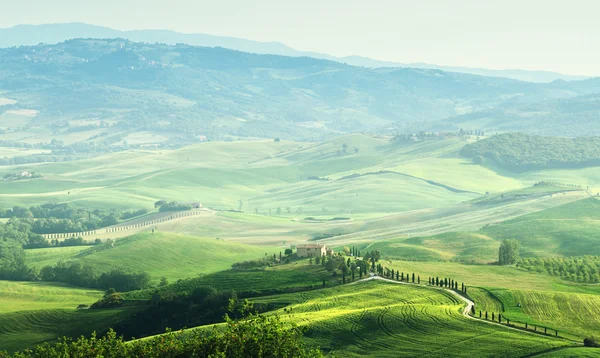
(387, 319)
(19, 296)
(297, 274)
(35, 312)
(160, 254)
(25, 329)
(575, 315)
(565, 230)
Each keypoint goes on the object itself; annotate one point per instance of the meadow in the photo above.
(425, 208)
(169, 255)
(391, 320)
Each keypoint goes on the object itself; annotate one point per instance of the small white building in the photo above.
(311, 250)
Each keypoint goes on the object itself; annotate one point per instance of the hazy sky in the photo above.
(557, 35)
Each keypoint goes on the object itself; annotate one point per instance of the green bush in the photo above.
(257, 336)
(592, 342)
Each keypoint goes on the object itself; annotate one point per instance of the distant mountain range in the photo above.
(102, 91)
(55, 33)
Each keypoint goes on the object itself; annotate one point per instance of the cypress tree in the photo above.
(392, 273)
(556, 333)
(437, 281)
(493, 317)
(429, 282)
(274, 257)
(486, 315)
(545, 330)
(419, 280)
(279, 255)
(413, 277)
(526, 325)
(373, 265)
(499, 317)
(462, 287)
(479, 313)
(397, 276)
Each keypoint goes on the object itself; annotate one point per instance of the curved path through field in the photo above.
(466, 310)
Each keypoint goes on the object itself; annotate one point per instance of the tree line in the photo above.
(521, 152)
(584, 269)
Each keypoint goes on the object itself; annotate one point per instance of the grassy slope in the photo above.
(389, 320)
(162, 254)
(575, 315)
(34, 312)
(25, 329)
(298, 273)
(570, 229)
(18, 296)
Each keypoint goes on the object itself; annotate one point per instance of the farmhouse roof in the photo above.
(310, 246)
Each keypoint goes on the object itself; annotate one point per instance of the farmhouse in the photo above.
(312, 250)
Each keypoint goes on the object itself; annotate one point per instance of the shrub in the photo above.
(257, 336)
(592, 342)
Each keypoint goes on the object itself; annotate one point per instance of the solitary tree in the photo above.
(508, 253)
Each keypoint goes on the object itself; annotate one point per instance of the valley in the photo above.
(425, 208)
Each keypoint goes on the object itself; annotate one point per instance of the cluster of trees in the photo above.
(20, 176)
(12, 262)
(254, 336)
(424, 136)
(585, 269)
(80, 274)
(63, 218)
(164, 205)
(522, 152)
(447, 283)
(508, 253)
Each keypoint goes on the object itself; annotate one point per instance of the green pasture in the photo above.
(391, 320)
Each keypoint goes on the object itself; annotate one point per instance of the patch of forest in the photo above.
(520, 152)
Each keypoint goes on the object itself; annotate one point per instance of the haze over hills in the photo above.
(100, 91)
(28, 35)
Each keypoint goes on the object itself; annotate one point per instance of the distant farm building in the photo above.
(312, 250)
(196, 205)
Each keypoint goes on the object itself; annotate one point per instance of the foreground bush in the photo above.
(257, 336)
(592, 342)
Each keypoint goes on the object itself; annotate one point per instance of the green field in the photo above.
(420, 204)
(390, 320)
(574, 315)
(35, 312)
(20, 296)
(169, 255)
(565, 230)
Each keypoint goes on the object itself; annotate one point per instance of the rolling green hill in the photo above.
(160, 254)
(575, 315)
(387, 319)
(566, 230)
